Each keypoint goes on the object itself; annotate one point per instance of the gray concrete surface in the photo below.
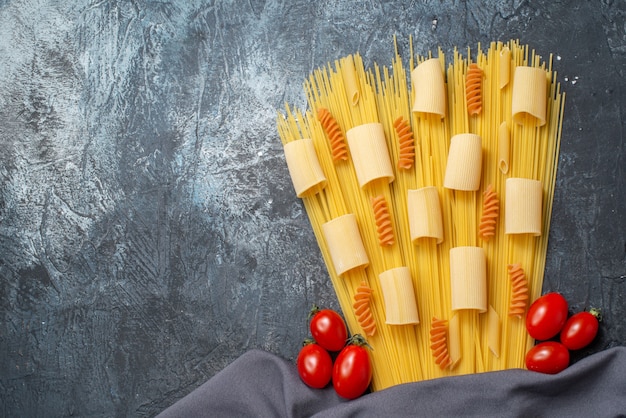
(149, 233)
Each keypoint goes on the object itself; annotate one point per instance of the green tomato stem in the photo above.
(358, 339)
(597, 313)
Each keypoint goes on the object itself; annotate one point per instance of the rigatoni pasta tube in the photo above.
(523, 206)
(344, 243)
(468, 278)
(370, 155)
(464, 165)
(306, 173)
(429, 88)
(424, 210)
(529, 95)
(399, 296)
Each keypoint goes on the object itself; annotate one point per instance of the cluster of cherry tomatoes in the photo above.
(351, 370)
(547, 317)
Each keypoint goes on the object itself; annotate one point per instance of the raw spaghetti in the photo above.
(367, 104)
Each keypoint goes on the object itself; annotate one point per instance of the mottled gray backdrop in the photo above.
(149, 233)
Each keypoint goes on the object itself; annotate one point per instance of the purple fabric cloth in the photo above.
(260, 384)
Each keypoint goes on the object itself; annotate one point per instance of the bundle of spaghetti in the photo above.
(404, 338)
(429, 258)
(321, 208)
(393, 102)
(396, 344)
(494, 112)
(373, 103)
(534, 151)
(464, 206)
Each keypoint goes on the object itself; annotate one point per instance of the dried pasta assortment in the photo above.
(401, 170)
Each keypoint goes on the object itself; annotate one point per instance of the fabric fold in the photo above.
(261, 384)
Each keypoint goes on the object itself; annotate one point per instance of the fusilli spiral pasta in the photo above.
(491, 210)
(406, 142)
(439, 342)
(519, 290)
(338, 147)
(382, 217)
(473, 89)
(363, 310)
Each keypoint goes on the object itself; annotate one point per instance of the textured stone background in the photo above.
(149, 233)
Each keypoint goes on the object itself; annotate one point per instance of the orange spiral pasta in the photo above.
(406, 142)
(519, 290)
(363, 310)
(338, 147)
(491, 210)
(439, 342)
(473, 89)
(382, 217)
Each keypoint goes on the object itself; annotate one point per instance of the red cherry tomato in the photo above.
(580, 329)
(328, 329)
(549, 357)
(315, 366)
(352, 372)
(546, 316)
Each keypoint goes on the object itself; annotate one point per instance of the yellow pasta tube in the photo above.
(493, 331)
(454, 340)
(424, 210)
(344, 243)
(468, 278)
(464, 165)
(504, 147)
(399, 296)
(523, 206)
(350, 81)
(306, 173)
(529, 95)
(504, 64)
(370, 155)
(429, 87)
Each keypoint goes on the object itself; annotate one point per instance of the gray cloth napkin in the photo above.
(260, 384)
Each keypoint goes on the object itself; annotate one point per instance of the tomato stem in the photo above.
(358, 339)
(308, 341)
(315, 309)
(597, 313)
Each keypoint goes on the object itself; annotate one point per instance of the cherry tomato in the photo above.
(328, 329)
(580, 329)
(352, 372)
(315, 366)
(549, 357)
(546, 316)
